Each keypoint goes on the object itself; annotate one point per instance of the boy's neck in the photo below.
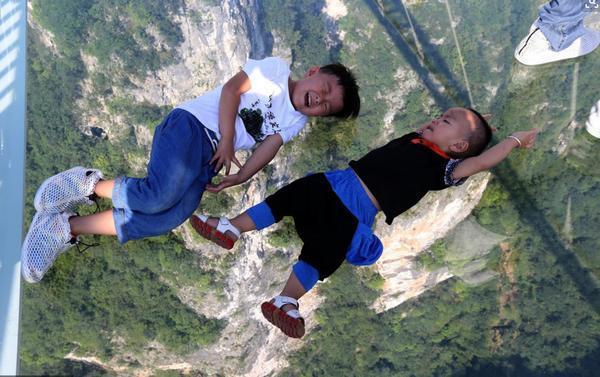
(440, 150)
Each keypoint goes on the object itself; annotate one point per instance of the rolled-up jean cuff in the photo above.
(119, 219)
(118, 193)
(261, 215)
(307, 275)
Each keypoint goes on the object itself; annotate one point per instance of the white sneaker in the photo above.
(49, 235)
(65, 191)
(535, 49)
(593, 124)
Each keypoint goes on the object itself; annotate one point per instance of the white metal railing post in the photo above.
(13, 27)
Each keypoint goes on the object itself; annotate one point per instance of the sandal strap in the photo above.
(279, 301)
(224, 225)
(294, 313)
(204, 218)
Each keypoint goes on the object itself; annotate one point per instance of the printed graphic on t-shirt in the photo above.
(258, 125)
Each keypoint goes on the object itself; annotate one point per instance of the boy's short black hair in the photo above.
(478, 139)
(347, 81)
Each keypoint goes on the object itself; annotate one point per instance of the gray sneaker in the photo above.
(65, 191)
(49, 235)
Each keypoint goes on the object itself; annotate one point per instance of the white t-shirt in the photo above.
(264, 110)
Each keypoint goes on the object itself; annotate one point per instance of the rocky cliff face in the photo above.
(217, 41)
(413, 232)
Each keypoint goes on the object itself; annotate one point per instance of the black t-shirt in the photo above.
(401, 172)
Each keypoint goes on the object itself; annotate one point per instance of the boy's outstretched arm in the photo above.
(262, 155)
(228, 107)
(495, 154)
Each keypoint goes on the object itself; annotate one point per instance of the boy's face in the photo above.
(450, 130)
(317, 94)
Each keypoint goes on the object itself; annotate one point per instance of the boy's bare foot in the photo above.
(282, 311)
(217, 230)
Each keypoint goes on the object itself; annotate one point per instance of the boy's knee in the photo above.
(306, 274)
(261, 215)
(157, 206)
(160, 200)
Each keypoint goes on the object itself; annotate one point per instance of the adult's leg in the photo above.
(557, 34)
(561, 21)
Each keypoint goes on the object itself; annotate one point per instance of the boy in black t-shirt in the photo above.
(334, 211)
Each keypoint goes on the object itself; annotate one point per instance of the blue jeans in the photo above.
(561, 21)
(178, 172)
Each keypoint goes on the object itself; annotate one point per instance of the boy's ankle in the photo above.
(236, 223)
(287, 307)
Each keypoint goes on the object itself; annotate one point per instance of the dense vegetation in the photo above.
(115, 31)
(112, 296)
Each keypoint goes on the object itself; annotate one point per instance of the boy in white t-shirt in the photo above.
(260, 104)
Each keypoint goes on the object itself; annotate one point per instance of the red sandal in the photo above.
(290, 322)
(217, 235)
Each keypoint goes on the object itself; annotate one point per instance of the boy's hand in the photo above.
(227, 181)
(527, 138)
(225, 155)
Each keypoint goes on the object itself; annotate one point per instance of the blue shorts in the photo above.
(333, 216)
(365, 248)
